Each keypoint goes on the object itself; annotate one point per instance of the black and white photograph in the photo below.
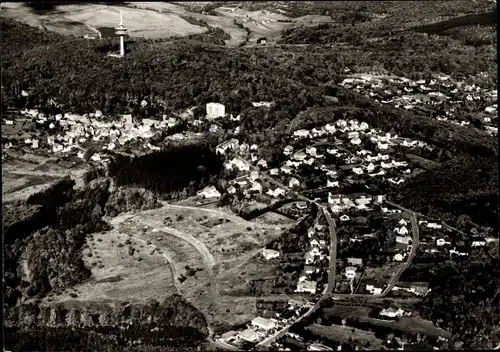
(250, 176)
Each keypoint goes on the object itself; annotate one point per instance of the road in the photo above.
(415, 243)
(207, 257)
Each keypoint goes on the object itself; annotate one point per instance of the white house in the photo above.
(356, 141)
(398, 257)
(357, 170)
(403, 239)
(263, 323)
(231, 144)
(306, 286)
(270, 254)
(249, 335)
(332, 183)
(355, 261)
(231, 190)
(293, 183)
(433, 225)
(299, 156)
(215, 110)
(402, 230)
(392, 312)
(209, 192)
(286, 170)
(478, 243)
(350, 272)
(344, 218)
(373, 290)
(311, 150)
(301, 134)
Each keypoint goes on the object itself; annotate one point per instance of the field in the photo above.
(342, 334)
(73, 19)
(23, 175)
(382, 274)
(206, 255)
(160, 20)
(410, 324)
(347, 312)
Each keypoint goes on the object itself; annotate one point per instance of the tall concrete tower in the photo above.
(121, 31)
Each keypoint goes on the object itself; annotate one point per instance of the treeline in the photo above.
(465, 300)
(173, 323)
(127, 199)
(466, 186)
(185, 168)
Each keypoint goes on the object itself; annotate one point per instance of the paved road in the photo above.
(333, 251)
(415, 243)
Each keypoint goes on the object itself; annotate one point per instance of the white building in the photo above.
(293, 183)
(350, 272)
(392, 312)
(209, 192)
(306, 286)
(215, 110)
(263, 323)
(270, 254)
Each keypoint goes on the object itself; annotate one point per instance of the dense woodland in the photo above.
(183, 169)
(463, 191)
(171, 324)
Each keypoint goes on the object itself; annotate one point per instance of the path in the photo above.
(236, 219)
(207, 257)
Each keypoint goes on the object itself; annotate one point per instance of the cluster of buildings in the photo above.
(412, 95)
(316, 256)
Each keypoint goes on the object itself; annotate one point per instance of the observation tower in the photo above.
(122, 32)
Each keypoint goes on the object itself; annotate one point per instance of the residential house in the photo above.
(478, 242)
(355, 141)
(262, 163)
(442, 242)
(301, 134)
(288, 150)
(286, 170)
(254, 175)
(301, 205)
(402, 230)
(275, 171)
(433, 225)
(403, 239)
(332, 183)
(263, 323)
(249, 335)
(208, 192)
(307, 286)
(398, 257)
(256, 187)
(231, 144)
(379, 199)
(420, 288)
(344, 218)
(240, 164)
(231, 190)
(270, 254)
(293, 183)
(311, 150)
(215, 110)
(350, 272)
(392, 312)
(330, 128)
(334, 198)
(355, 261)
(310, 269)
(299, 156)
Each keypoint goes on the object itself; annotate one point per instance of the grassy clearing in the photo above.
(347, 312)
(342, 334)
(412, 325)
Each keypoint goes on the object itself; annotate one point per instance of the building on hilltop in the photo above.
(215, 110)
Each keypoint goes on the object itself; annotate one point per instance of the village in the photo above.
(351, 166)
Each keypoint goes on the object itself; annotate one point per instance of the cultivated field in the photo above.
(23, 175)
(73, 19)
(160, 20)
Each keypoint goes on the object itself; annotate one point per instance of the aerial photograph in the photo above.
(250, 176)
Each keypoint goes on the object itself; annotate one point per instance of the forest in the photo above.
(172, 324)
(185, 168)
(465, 300)
(462, 191)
